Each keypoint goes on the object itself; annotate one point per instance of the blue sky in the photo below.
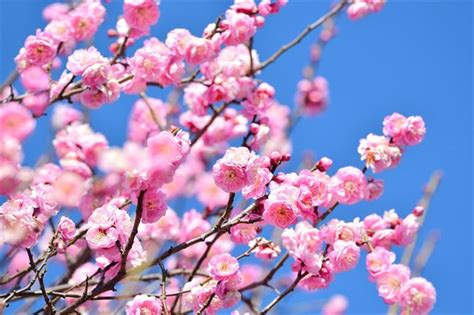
(413, 57)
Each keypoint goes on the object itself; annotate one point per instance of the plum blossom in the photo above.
(313, 95)
(223, 267)
(144, 304)
(417, 296)
(344, 255)
(378, 260)
(349, 185)
(390, 282)
(16, 121)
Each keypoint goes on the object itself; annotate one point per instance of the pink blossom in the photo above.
(413, 130)
(61, 86)
(141, 14)
(223, 267)
(60, 29)
(313, 95)
(199, 50)
(166, 228)
(357, 10)
(178, 41)
(417, 296)
(96, 75)
(40, 49)
(69, 188)
(82, 59)
(144, 304)
(264, 249)
(374, 188)
(337, 305)
(344, 255)
(378, 153)
(244, 233)
(19, 227)
(10, 150)
(37, 103)
(194, 96)
(208, 193)
(377, 261)
(155, 62)
(35, 79)
(101, 238)
(81, 140)
(360, 8)
(85, 19)
(66, 228)
(318, 184)
(144, 120)
(321, 280)
(393, 126)
(406, 230)
(154, 206)
(16, 121)
(239, 28)
(64, 115)
(55, 11)
(230, 171)
(258, 176)
(279, 213)
(349, 185)
(390, 282)
(260, 100)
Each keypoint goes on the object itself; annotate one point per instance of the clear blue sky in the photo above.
(414, 58)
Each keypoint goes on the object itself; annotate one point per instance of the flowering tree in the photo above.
(102, 213)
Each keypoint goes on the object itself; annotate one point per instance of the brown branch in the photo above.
(265, 281)
(40, 276)
(275, 301)
(335, 10)
(216, 114)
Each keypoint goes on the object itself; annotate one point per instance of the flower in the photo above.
(222, 267)
(154, 205)
(378, 153)
(417, 296)
(144, 304)
(349, 185)
(413, 130)
(141, 14)
(40, 49)
(279, 213)
(390, 281)
(229, 172)
(16, 121)
(35, 79)
(264, 249)
(337, 305)
(239, 27)
(406, 230)
(344, 255)
(66, 228)
(81, 59)
(378, 260)
(313, 96)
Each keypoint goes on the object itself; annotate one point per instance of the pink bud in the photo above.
(286, 157)
(418, 211)
(324, 164)
(254, 128)
(275, 157)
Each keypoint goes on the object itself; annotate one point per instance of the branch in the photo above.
(201, 132)
(275, 301)
(335, 10)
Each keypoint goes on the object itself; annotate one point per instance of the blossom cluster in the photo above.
(200, 175)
